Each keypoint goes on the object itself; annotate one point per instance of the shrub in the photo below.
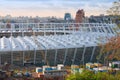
(90, 75)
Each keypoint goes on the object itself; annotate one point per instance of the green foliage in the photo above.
(104, 76)
(114, 12)
(115, 9)
(82, 66)
(89, 75)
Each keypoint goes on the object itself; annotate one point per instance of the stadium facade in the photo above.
(52, 43)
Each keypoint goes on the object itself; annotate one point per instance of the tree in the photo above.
(114, 12)
(115, 9)
(113, 47)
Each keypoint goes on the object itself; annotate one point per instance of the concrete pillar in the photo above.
(23, 57)
(75, 51)
(66, 51)
(55, 29)
(45, 56)
(22, 30)
(44, 25)
(11, 50)
(83, 55)
(0, 59)
(34, 56)
(93, 51)
(11, 57)
(55, 57)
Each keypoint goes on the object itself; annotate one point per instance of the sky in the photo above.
(58, 8)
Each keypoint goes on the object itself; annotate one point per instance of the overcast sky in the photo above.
(44, 8)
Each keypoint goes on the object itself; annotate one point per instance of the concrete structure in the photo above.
(80, 14)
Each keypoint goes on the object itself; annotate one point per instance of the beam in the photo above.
(55, 57)
(34, 56)
(0, 59)
(23, 57)
(75, 51)
(93, 51)
(66, 51)
(45, 56)
(83, 55)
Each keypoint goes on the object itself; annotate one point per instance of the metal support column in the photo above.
(83, 55)
(64, 28)
(34, 56)
(22, 30)
(44, 29)
(55, 29)
(93, 51)
(27, 27)
(23, 57)
(11, 46)
(105, 58)
(45, 56)
(55, 57)
(75, 51)
(66, 51)
(90, 27)
(19, 27)
(108, 28)
(38, 27)
(73, 27)
(11, 57)
(0, 59)
(79, 28)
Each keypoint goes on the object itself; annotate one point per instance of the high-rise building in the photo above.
(67, 16)
(80, 14)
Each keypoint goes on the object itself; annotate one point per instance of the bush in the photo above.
(90, 75)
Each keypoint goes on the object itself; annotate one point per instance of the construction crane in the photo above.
(39, 46)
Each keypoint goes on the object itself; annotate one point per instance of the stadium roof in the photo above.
(32, 43)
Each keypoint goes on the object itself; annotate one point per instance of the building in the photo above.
(104, 19)
(80, 15)
(70, 47)
(67, 16)
(100, 19)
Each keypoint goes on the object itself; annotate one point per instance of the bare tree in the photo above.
(115, 9)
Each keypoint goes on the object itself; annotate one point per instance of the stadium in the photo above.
(52, 43)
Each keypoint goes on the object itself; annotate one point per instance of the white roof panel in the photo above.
(52, 42)
(5, 44)
(16, 46)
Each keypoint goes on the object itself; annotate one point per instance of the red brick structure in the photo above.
(80, 14)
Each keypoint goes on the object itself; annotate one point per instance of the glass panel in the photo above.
(50, 57)
(40, 57)
(29, 56)
(94, 29)
(78, 56)
(107, 29)
(96, 53)
(18, 58)
(69, 57)
(6, 57)
(60, 56)
(88, 54)
(111, 30)
(102, 29)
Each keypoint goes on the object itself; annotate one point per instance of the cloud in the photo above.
(57, 7)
